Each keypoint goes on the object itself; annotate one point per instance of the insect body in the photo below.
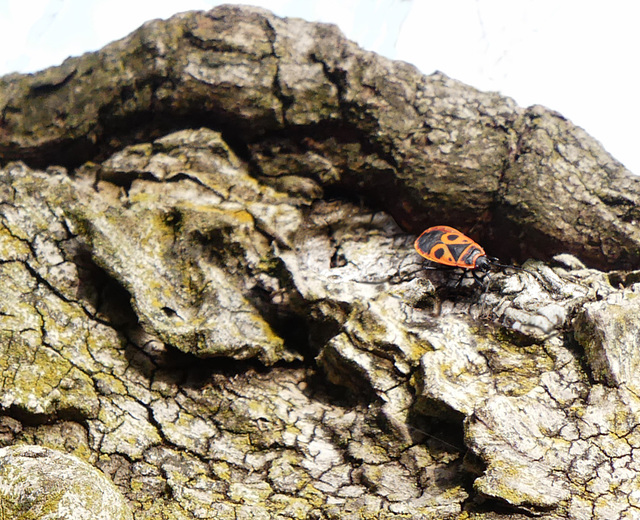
(447, 246)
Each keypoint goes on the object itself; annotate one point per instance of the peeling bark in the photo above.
(211, 292)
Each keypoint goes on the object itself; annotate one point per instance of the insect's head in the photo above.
(485, 262)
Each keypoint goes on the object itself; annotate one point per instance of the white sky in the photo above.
(574, 56)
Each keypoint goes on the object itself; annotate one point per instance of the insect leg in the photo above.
(462, 277)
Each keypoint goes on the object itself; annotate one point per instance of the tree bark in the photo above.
(299, 98)
(208, 287)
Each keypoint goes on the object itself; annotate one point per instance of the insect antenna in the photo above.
(496, 263)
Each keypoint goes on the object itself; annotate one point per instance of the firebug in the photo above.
(448, 246)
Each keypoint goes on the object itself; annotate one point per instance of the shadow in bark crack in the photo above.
(28, 418)
(98, 290)
(437, 434)
(118, 132)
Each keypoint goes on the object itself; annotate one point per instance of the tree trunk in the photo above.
(208, 287)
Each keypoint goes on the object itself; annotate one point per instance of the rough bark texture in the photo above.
(295, 98)
(208, 288)
(42, 483)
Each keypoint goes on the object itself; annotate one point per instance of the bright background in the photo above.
(574, 56)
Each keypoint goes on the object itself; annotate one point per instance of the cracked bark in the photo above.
(299, 98)
(233, 205)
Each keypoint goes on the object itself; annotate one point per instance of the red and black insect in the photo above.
(447, 246)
